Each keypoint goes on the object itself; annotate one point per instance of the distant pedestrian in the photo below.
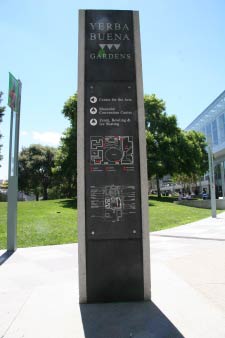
(204, 194)
(180, 196)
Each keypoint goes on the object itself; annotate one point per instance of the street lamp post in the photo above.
(212, 181)
(222, 179)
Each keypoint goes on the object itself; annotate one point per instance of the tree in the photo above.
(162, 135)
(66, 157)
(35, 169)
(169, 149)
(193, 160)
(2, 109)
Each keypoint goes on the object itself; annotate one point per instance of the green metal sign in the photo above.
(14, 93)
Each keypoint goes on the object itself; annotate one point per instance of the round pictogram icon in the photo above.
(93, 99)
(93, 110)
(113, 154)
(93, 122)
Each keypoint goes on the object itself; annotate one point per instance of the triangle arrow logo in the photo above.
(109, 46)
(102, 46)
(117, 45)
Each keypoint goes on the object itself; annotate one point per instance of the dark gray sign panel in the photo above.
(109, 46)
(113, 217)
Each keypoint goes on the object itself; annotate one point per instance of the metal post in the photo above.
(212, 182)
(13, 179)
(10, 143)
(222, 179)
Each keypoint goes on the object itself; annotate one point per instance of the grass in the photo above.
(42, 223)
(55, 222)
(164, 214)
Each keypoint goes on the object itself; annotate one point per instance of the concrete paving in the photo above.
(39, 291)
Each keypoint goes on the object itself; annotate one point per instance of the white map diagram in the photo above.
(116, 150)
(112, 202)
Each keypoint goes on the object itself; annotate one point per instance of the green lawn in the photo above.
(164, 214)
(55, 222)
(42, 223)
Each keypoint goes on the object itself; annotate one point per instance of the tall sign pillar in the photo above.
(113, 227)
(14, 102)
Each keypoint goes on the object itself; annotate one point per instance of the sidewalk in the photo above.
(39, 291)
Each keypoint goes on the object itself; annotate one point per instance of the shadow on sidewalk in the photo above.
(126, 320)
(5, 256)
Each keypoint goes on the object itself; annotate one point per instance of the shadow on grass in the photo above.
(167, 199)
(119, 320)
(70, 203)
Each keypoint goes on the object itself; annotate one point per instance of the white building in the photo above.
(211, 122)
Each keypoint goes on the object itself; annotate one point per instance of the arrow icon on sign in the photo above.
(93, 99)
(93, 110)
(93, 122)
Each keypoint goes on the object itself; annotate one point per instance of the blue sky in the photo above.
(183, 58)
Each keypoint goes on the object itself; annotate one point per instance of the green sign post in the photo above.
(14, 100)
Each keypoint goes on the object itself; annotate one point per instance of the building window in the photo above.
(215, 133)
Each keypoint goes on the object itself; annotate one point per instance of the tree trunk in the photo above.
(158, 186)
(45, 193)
(70, 191)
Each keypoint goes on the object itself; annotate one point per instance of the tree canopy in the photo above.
(162, 135)
(193, 160)
(66, 156)
(35, 169)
